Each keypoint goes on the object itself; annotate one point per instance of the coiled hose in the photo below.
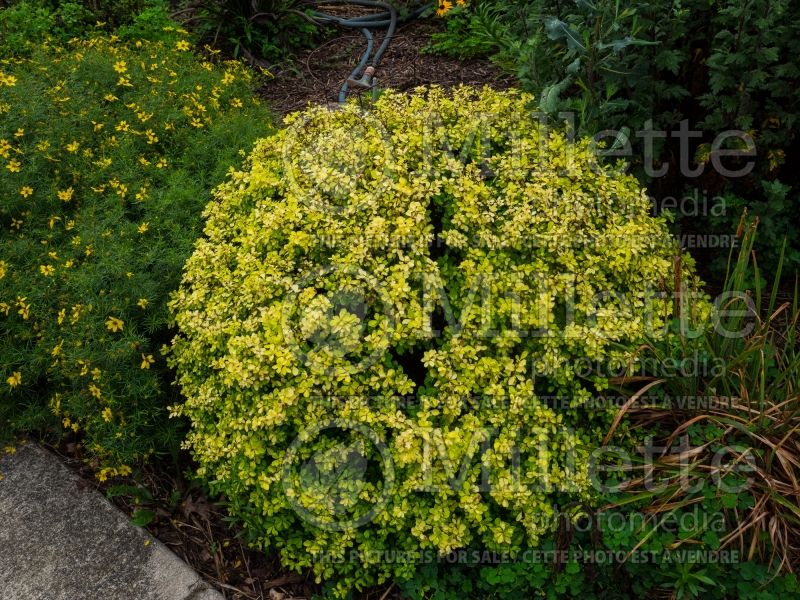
(386, 19)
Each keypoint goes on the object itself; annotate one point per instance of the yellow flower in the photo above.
(19, 132)
(66, 195)
(162, 163)
(236, 103)
(114, 325)
(8, 80)
(142, 303)
(61, 314)
(444, 7)
(24, 309)
(73, 147)
(182, 45)
(4, 266)
(25, 191)
(15, 379)
(195, 122)
(47, 270)
(97, 126)
(147, 360)
(143, 228)
(14, 166)
(107, 415)
(95, 391)
(228, 78)
(120, 66)
(110, 98)
(122, 126)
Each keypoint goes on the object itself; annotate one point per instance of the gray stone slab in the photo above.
(63, 541)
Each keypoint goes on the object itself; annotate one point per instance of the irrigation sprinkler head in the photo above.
(366, 79)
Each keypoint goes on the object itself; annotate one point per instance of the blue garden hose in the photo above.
(388, 19)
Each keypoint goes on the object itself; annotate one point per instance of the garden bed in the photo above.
(226, 314)
(314, 76)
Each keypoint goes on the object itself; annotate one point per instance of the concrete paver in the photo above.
(60, 540)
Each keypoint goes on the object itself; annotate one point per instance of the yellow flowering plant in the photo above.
(96, 221)
(378, 331)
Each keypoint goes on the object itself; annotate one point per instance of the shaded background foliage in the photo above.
(723, 65)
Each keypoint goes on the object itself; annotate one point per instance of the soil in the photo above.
(315, 76)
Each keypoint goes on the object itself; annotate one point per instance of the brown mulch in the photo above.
(316, 75)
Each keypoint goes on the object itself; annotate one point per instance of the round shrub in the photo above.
(393, 330)
(108, 151)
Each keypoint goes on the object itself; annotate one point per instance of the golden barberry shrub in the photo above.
(379, 330)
